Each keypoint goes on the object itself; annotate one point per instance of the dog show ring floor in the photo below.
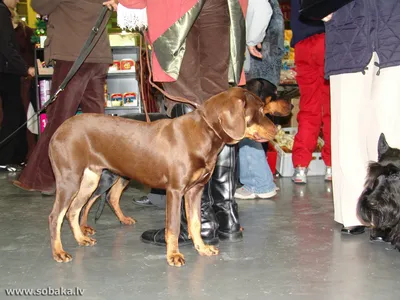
(292, 249)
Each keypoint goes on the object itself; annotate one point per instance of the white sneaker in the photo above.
(267, 195)
(242, 193)
(328, 174)
(300, 175)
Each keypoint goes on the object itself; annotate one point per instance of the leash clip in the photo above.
(95, 29)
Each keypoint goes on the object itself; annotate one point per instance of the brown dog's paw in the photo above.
(128, 221)
(87, 241)
(176, 259)
(87, 230)
(62, 256)
(207, 250)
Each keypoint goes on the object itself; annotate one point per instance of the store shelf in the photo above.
(121, 73)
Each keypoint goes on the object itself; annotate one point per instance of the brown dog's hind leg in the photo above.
(193, 211)
(115, 196)
(172, 228)
(89, 183)
(65, 194)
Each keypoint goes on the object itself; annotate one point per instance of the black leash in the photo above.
(85, 51)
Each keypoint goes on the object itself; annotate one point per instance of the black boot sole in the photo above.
(230, 237)
(211, 242)
(185, 243)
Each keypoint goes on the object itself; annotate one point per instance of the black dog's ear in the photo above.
(383, 146)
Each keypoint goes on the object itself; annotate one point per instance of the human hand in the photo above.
(31, 71)
(111, 4)
(327, 18)
(255, 50)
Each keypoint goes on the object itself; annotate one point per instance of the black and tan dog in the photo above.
(86, 145)
(379, 203)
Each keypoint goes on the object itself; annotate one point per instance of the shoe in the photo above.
(243, 193)
(328, 174)
(267, 195)
(353, 230)
(11, 168)
(143, 201)
(49, 193)
(300, 175)
(377, 235)
(157, 237)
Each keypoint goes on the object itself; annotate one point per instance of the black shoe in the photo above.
(157, 237)
(143, 201)
(353, 230)
(377, 235)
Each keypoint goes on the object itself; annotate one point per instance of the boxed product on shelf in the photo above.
(43, 69)
(44, 91)
(284, 164)
(43, 122)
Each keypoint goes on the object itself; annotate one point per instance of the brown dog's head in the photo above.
(238, 113)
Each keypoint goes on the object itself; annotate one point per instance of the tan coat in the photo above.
(69, 26)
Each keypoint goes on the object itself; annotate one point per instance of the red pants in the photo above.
(314, 101)
(86, 89)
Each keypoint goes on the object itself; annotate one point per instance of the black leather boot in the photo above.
(209, 224)
(223, 185)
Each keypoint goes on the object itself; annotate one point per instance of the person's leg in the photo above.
(93, 97)
(38, 174)
(254, 172)
(385, 109)
(203, 73)
(325, 97)
(14, 150)
(351, 104)
(309, 61)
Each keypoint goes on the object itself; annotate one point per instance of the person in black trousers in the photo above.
(12, 67)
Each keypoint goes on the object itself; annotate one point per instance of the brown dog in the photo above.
(177, 155)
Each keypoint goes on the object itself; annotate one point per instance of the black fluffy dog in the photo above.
(379, 204)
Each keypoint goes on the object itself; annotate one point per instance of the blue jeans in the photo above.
(254, 171)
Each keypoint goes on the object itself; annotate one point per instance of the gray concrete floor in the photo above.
(292, 249)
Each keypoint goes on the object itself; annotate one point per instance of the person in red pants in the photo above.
(309, 44)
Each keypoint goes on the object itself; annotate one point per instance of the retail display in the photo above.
(121, 92)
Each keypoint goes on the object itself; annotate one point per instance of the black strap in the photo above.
(85, 51)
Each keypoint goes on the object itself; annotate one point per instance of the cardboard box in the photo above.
(284, 163)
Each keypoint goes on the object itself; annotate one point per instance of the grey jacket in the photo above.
(269, 67)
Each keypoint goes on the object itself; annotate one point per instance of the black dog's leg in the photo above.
(107, 180)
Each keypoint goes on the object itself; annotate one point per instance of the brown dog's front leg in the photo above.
(193, 215)
(172, 228)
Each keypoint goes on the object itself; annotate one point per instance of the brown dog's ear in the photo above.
(280, 108)
(232, 118)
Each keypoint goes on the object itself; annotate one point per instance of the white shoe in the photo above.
(300, 175)
(242, 193)
(328, 174)
(267, 195)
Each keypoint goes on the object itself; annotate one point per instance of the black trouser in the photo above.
(15, 149)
